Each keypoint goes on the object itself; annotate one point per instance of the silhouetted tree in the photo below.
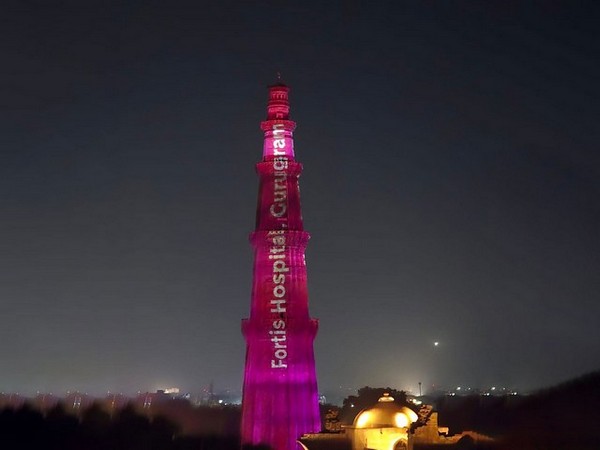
(367, 397)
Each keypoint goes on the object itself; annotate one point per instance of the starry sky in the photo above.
(451, 186)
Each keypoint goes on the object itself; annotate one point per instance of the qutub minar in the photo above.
(280, 400)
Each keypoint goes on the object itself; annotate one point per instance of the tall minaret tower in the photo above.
(280, 384)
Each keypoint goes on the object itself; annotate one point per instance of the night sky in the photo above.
(451, 186)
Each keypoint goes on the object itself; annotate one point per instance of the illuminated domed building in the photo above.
(384, 426)
(388, 425)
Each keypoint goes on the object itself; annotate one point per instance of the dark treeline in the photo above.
(562, 417)
(198, 420)
(95, 429)
(365, 398)
(566, 416)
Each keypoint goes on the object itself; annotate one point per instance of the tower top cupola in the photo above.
(278, 107)
(278, 127)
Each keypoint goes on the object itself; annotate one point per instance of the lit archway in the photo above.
(400, 444)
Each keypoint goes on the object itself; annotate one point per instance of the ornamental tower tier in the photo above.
(280, 401)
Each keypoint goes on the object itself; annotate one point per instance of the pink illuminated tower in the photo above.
(280, 383)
